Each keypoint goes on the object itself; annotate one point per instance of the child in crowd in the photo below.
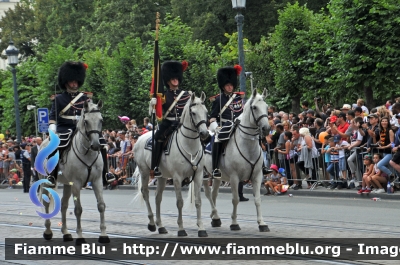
(369, 172)
(13, 179)
(282, 186)
(379, 178)
(333, 168)
(341, 146)
(270, 184)
(327, 156)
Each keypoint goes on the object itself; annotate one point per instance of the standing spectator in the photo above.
(345, 108)
(26, 167)
(7, 160)
(356, 140)
(341, 146)
(384, 138)
(304, 106)
(341, 127)
(147, 124)
(361, 103)
(333, 168)
(295, 141)
(34, 151)
(308, 156)
(395, 162)
(372, 128)
(288, 154)
(125, 146)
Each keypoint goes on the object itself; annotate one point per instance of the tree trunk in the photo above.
(369, 97)
(296, 104)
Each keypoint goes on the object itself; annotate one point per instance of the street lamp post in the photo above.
(32, 107)
(239, 5)
(12, 57)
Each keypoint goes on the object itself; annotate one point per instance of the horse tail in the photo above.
(189, 202)
(139, 195)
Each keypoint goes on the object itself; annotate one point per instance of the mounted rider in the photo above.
(226, 107)
(66, 111)
(175, 101)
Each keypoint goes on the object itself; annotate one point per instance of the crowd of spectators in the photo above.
(328, 144)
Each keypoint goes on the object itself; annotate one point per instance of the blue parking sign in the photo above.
(43, 120)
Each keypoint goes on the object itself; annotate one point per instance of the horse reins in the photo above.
(194, 167)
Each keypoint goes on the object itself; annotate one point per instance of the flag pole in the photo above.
(153, 114)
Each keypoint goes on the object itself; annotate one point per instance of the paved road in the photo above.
(292, 217)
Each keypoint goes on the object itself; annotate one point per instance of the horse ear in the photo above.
(265, 93)
(203, 96)
(193, 97)
(100, 104)
(254, 93)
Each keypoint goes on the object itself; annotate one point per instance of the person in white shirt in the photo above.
(356, 139)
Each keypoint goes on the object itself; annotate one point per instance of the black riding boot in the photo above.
(216, 153)
(53, 175)
(157, 155)
(107, 178)
(265, 171)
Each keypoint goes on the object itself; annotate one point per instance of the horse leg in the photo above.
(101, 206)
(47, 234)
(145, 192)
(257, 200)
(234, 180)
(64, 207)
(216, 221)
(215, 190)
(179, 204)
(161, 182)
(78, 213)
(197, 193)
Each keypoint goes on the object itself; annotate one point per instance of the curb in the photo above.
(320, 192)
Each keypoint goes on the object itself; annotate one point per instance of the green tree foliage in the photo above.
(368, 38)
(290, 54)
(18, 24)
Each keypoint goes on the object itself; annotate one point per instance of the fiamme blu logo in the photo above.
(45, 165)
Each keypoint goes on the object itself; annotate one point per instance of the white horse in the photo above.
(243, 160)
(80, 163)
(184, 160)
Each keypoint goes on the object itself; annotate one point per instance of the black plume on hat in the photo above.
(173, 69)
(71, 71)
(227, 75)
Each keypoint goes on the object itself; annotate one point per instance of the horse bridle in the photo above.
(193, 123)
(88, 133)
(256, 120)
(254, 116)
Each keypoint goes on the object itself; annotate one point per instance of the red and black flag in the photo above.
(157, 87)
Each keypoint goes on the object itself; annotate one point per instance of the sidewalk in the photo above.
(318, 192)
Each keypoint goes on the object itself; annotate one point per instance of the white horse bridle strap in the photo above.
(174, 103)
(70, 105)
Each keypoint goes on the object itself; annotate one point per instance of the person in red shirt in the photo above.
(14, 179)
(340, 127)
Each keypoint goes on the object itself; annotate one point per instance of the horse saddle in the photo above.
(66, 137)
(166, 144)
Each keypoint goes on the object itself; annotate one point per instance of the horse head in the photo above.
(90, 123)
(195, 114)
(257, 109)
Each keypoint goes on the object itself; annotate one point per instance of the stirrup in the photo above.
(216, 173)
(157, 172)
(52, 181)
(266, 171)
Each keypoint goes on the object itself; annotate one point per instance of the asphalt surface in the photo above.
(289, 217)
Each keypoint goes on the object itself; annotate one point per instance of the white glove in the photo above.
(53, 127)
(213, 126)
(153, 101)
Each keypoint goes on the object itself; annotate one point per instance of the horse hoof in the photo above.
(182, 233)
(216, 223)
(67, 237)
(104, 239)
(80, 241)
(235, 227)
(48, 236)
(202, 233)
(152, 228)
(263, 228)
(162, 230)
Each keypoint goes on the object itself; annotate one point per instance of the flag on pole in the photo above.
(157, 88)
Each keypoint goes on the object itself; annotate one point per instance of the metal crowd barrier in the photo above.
(319, 175)
(127, 164)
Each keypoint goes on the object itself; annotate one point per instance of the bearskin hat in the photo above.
(173, 69)
(228, 75)
(71, 71)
